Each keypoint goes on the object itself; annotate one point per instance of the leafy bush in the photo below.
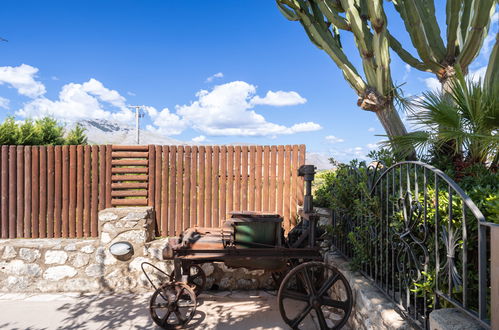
(45, 131)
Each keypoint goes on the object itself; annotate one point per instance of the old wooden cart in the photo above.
(308, 288)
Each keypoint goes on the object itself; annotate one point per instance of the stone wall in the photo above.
(372, 310)
(86, 265)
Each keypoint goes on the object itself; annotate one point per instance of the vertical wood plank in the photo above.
(102, 177)
(5, 191)
(58, 160)
(95, 192)
(108, 175)
(157, 188)
(172, 194)
(65, 191)
(230, 180)
(80, 187)
(301, 182)
(208, 197)
(151, 183)
(35, 191)
(87, 185)
(280, 181)
(244, 178)
(43, 192)
(186, 188)
(266, 181)
(179, 214)
(258, 178)
(27, 192)
(287, 182)
(201, 219)
(273, 180)
(223, 183)
(237, 179)
(193, 184)
(215, 222)
(294, 184)
(50, 191)
(72, 190)
(251, 178)
(20, 192)
(164, 191)
(12, 191)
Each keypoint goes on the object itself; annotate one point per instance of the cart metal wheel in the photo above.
(315, 293)
(196, 278)
(173, 305)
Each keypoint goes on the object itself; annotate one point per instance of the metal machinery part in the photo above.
(311, 291)
(255, 240)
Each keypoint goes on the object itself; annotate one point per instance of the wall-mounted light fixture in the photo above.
(121, 250)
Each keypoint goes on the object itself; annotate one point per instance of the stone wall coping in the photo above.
(452, 319)
(46, 243)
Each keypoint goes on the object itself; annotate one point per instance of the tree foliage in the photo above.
(44, 131)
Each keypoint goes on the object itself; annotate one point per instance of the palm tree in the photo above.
(463, 123)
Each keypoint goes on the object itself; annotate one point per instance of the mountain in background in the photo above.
(100, 131)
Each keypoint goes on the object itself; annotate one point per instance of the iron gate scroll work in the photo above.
(424, 243)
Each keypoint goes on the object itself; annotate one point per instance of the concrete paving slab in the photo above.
(218, 310)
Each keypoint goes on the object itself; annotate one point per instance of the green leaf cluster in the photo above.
(44, 131)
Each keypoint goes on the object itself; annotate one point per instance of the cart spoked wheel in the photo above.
(173, 305)
(314, 293)
(196, 278)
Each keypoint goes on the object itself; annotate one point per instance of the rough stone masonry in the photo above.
(86, 265)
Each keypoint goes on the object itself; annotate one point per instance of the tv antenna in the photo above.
(138, 115)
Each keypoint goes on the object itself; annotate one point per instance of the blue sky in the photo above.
(85, 59)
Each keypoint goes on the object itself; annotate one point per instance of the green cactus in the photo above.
(322, 21)
(467, 26)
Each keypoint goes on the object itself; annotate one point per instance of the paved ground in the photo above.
(218, 310)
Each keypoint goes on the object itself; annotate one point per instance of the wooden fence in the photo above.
(57, 191)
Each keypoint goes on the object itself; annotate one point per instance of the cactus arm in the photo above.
(464, 21)
(332, 16)
(321, 36)
(482, 11)
(380, 46)
(286, 12)
(492, 73)
(405, 55)
(452, 20)
(426, 11)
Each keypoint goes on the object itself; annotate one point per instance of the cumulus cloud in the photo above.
(227, 110)
(165, 122)
(333, 139)
(22, 78)
(432, 84)
(279, 99)
(199, 139)
(80, 101)
(4, 103)
(215, 76)
(371, 129)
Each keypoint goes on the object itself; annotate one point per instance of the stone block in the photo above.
(55, 257)
(88, 249)
(57, 273)
(9, 252)
(94, 270)
(29, 255)
(80, 259)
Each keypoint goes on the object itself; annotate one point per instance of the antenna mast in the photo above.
(137, 118)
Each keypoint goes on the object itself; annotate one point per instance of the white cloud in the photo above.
(131, 93)
(333, 139)
(347, 154)
(80, 101)
(406, 72)
(165, 122)
(372, 145)
(226, 110)
(279, 99)
(215, 76)
(371, 129)
(433, 84)
(490, 39)
(22, 78)
(199, 139)
(4, 103)
(478, 74)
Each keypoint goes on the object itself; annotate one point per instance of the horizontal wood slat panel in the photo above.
(115, 170)
(130, 202)
(126, 177)
(129, 154)
(129, 162)
(128, 185)
(128, 193)
(129, 148)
